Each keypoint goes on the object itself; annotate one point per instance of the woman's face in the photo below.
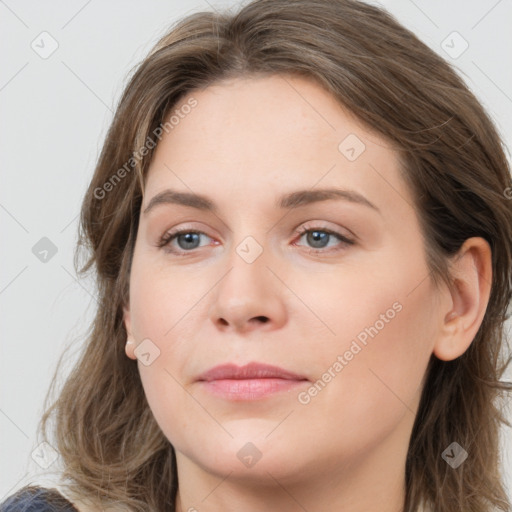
(245, 171)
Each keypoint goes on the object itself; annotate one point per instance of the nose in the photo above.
(249, 296)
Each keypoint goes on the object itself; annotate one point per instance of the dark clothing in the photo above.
(33, 498)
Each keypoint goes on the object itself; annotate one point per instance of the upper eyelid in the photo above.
(308, 226)
(170, 236)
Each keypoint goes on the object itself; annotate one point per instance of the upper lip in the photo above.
(249, 371)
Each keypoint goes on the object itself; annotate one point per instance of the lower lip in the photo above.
(250, 389)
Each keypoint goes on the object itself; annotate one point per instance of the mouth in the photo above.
(250, 382)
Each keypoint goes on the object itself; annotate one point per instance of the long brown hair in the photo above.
(451, 157)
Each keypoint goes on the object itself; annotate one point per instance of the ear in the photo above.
(469, 293)
(130, 342)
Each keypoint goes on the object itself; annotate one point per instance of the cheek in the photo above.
(370, 367)
(162, 308)
(379, 357)
(159, 298)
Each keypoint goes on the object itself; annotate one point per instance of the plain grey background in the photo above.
(55, 110)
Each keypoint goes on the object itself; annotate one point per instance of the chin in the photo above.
(250, 458)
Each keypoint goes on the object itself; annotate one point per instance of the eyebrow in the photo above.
(287, 201)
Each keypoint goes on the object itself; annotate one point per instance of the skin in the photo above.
(247, 142)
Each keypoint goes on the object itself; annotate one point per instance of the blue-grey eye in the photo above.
(319, 239)
(188, 240)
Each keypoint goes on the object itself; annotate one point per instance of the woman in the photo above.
(335, 342)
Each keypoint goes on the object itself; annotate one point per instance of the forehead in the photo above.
(264, 136)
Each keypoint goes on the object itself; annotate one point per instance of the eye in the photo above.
(187, 240)
(319, 238)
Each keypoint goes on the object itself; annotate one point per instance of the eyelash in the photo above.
(166, 240)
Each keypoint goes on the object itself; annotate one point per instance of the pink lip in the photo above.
(249, 371)
(249, 382)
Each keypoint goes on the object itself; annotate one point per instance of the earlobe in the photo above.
(471, 270)
(130, 343)
(129, 349)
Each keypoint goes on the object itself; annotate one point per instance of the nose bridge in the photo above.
(249, 250)
(248, 275)
(248, 290)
